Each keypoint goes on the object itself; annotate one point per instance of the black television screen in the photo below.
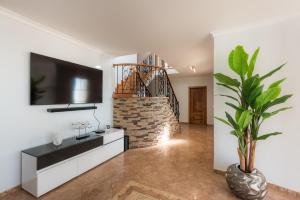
(54, 81)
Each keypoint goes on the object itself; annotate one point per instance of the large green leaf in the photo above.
(249, 86)
(276, 101)
(224, 121)
(253, 95)
(270, 114)
(227, 80)
(240, 60)
(238, 114)
(272, 72)
(245, 66)
(233, 132)
(252, 63)
(230, 97)
(265, 136)
(244, 119)
(231, 121)
(267, 96)
(234, 106)
(280, 100)
(277, 83)
(228, 87)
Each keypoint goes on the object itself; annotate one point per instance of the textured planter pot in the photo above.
(247, 186)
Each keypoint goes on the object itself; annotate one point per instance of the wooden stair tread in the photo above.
(115, 95)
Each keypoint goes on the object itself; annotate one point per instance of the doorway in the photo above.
(198, 105)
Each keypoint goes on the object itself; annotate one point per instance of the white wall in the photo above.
(181, 89)
(277, 157)
(24, 126)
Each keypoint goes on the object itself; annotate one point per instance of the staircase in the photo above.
(142, 80)
(142, 92)
(130, 80)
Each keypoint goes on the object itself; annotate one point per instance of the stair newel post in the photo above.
(135, 79)
(155, 79)
(130, 74)
(136, 84)
(117, 67)
(117, 80)
(122, 79)
(134, 71)
(131, 79)
(165, 83)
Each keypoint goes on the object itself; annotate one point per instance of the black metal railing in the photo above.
(141, 88)
(145, 80)
(165, 88)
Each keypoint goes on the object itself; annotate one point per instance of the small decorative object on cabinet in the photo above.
(57, 139)
(253, 104)
(80, 126)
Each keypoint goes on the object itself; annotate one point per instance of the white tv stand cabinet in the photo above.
(46, 167)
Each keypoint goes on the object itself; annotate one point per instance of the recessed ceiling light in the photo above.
(193, 68)
(98, 67)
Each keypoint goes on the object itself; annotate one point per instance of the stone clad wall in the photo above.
(147, 120)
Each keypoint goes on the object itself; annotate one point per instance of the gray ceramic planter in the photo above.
(247, 186)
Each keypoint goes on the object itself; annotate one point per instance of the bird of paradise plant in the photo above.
(252, 103)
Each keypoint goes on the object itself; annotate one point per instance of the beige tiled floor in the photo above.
(183, 167)
(138, 196)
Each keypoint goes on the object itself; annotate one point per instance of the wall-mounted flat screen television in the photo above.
(54, 81)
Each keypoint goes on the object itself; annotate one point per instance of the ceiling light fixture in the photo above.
(193, 68)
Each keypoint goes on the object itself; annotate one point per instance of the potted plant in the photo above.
(252, 104)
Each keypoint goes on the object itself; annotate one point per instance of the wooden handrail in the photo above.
(134, 64)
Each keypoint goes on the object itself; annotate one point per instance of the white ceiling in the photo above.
(178, 30)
